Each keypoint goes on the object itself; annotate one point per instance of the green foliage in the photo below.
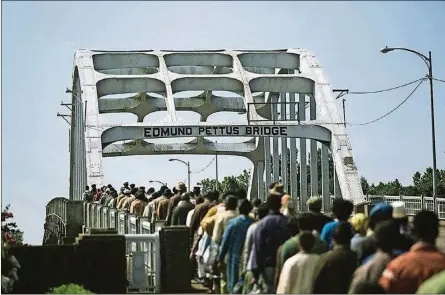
(229, 183)
(11, 235)
(69, 289)
(422, 185)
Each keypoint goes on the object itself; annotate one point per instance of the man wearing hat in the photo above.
(399, 215)
(318, 219)
(173, 202)
(125, 186)
(276, 188)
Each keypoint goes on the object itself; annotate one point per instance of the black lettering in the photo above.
(236, 130)
(275, 131)
(147, 132)
(200, 130)
(248, 130)
(156, 132)
(189, 130)
(208, 131)
(165, 132)
(283, 131)
(256, 130)
(229, 130)
(181, 131)
(267, 130)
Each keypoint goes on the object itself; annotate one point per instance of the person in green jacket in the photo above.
(434, 285)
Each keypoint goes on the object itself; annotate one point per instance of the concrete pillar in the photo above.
(303, 156)
(293, 152)
(175, 262)
(337, 190)
(314, 156)
(275, 158)
(260, 182)
(284, 145)
(325, 177)
(253, 193)
(267, 161)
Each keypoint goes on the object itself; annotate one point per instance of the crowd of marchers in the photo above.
(240, 246)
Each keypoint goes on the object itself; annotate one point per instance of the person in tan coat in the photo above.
(122, 198)
(163, 205)
(138, 205)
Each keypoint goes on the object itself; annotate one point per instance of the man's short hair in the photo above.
(386, 234)
(245, 207)
(342, 209)
(186, 196)
(199, 200)
(304, 221)
(293, 226)
(274, 202)
(263, 210)
(256, 203)
(231, 202)
(426, 226)
(343, 233)
(306, 241)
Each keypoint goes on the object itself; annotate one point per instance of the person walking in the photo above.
(297, 274)
(335, 268)
(232, 244)
(271, 232)
(406, 273)
(184, 207)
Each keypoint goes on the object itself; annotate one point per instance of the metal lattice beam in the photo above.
(291, 77)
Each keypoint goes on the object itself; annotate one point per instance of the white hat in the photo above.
(127, 192)
(398, 209)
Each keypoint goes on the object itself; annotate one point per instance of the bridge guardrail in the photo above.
(142, 236)
(99, 216)
(413, 204)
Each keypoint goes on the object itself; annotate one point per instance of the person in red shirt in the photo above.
(407, 272)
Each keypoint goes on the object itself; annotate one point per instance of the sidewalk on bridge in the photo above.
(198, 288)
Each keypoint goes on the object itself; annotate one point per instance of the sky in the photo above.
(39, 40)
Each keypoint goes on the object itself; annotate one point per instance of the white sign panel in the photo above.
(198, 131)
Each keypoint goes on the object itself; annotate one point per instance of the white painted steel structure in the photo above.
(274, 88)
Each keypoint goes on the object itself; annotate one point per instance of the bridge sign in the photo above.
(198, 131)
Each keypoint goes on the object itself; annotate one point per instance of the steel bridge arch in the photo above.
(257, 76)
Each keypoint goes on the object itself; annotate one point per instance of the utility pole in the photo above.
(429, 63)
(344, 112)
(216, 167)
(188, 176)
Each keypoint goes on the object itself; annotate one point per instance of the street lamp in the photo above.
(157, 181)
(188, 169)
(429, 63)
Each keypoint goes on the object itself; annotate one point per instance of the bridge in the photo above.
(276, 88)
(288, 102)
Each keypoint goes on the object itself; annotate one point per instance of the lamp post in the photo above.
(429, 63)
(157, 181)
(188, 169)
